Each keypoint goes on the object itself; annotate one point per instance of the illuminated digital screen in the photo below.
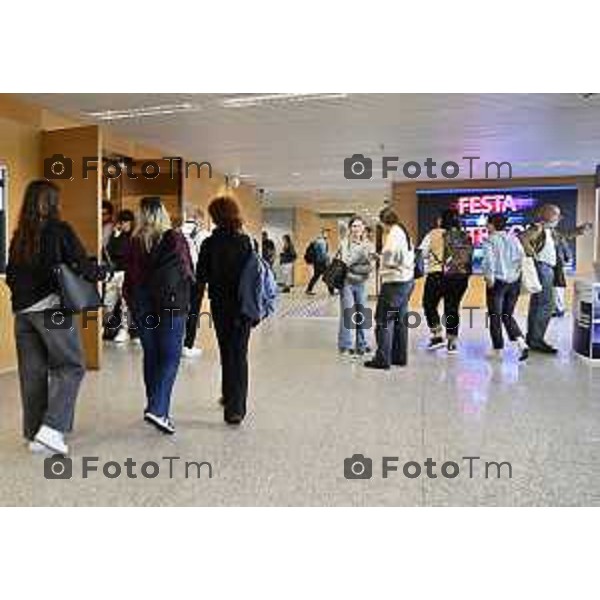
(518, 205)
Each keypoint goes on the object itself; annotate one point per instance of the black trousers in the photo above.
(501, 302)
(451, 290)
(233, 335)
(191, 325)
(391, 331)
(318, 270)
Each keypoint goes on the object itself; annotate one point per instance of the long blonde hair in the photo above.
(153, 221)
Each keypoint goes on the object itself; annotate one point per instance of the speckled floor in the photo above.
(311, 409)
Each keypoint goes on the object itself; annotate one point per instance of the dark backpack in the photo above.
(169, 286)
(458, 254)
(310, 255)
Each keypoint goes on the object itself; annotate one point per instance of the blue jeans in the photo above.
(391, 316)
(541, 305)
(353, 297)
(162, 343)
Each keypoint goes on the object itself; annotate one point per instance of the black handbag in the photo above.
(76, 293)
(335, 274)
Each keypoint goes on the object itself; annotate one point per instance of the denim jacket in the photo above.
(502, 258)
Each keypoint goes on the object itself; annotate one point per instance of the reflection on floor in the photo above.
(311, 409)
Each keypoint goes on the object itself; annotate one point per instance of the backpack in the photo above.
(257, 290)
(169, 287)
(310, 255)
(458, 254)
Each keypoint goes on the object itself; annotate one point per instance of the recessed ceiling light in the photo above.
(142, 111)
(259, 100)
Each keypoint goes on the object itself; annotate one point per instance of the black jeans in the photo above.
(51, 368)
(191, 325)
(391, 330)
(233, 335)
(451, 290)
(501, 302)
(318, 270)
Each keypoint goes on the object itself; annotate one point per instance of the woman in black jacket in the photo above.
(220, 265)
(49, 351)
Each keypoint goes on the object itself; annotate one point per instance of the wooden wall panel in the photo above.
(307, 226)
(80, 205)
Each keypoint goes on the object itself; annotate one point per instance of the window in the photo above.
(3, 220)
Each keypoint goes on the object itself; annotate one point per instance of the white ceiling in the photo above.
(296, 150)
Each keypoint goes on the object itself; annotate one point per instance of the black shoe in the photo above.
(375, 364)
(343, 351)
(310, 293)
(543, 348)
(234, 419)
(524, 354)
(399, 364)
(435, 342)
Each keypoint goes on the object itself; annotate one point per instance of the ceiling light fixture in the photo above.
(142, 111)
(245, 101)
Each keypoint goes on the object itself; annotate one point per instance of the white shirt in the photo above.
(398, 259)
(548, 253)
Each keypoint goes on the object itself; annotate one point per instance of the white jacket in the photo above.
(397, 257)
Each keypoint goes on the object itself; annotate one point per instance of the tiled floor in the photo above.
(310, 409)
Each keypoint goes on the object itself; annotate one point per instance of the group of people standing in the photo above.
(163, 284)
(446, 254)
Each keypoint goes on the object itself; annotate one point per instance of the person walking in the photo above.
(354, 251)
(158, 277)
(222, 258)
(50, 356)
(432, 247)
(450, 257)
(397, 283)
(116, 315)
(287, 258)
(317, 255)
(501, 266)
(541, 240)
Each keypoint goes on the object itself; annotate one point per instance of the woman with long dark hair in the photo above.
(158, 277)
(49, 351)
(220, 265)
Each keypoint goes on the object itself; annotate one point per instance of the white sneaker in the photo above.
(37, 448)
(191, 352)
(52, 439)
(164, 424)
(122, 336)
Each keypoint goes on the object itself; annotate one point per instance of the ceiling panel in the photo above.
(296, 150)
